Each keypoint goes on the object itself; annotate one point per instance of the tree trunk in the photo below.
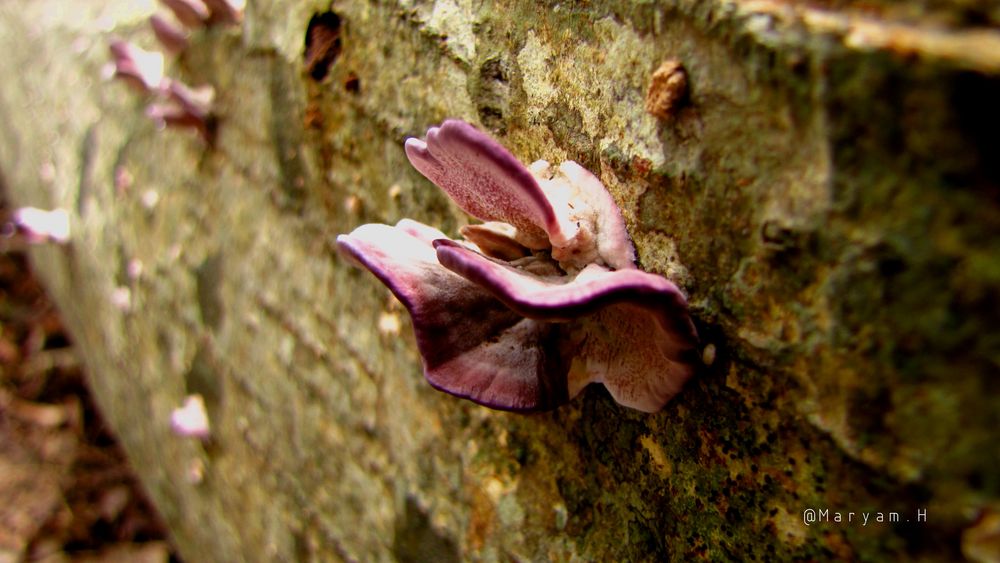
(826, 193)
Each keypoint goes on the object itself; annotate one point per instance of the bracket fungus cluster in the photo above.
(174, 104)
(538, 301)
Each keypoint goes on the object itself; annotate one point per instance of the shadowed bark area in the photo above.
(826, 193)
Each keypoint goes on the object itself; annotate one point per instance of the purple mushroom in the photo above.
(173, 37)
(191, 13)
(184, 107)
(227, 12)
(141, 69)
(539, 301)
(196, 13)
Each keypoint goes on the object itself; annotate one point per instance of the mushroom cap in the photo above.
(191, 13)
(569, 211)
(511, 340)
(142, 69)
(484, 179)
(471, 344)
(631, 329)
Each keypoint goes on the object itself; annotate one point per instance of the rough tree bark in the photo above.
(827, 195)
